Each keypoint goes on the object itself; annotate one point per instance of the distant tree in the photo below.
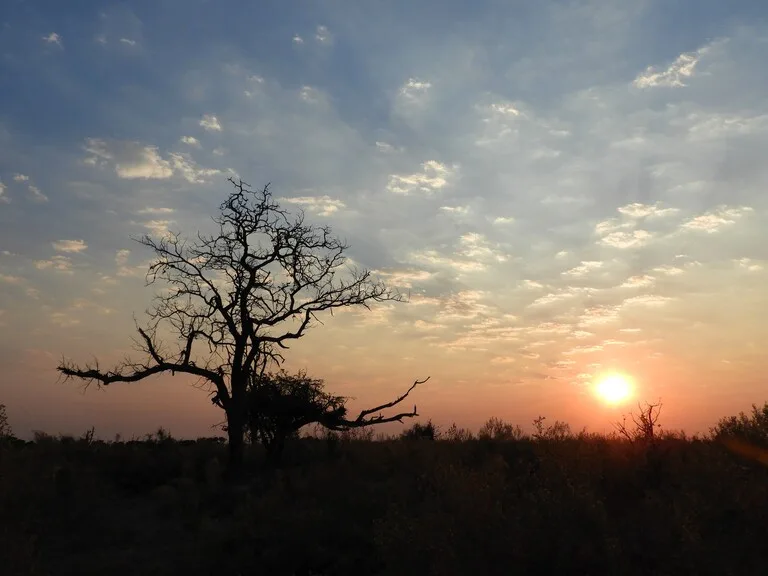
(5, 427)
(236, 299)
(279, 405)
(496, 429)
(420, 431)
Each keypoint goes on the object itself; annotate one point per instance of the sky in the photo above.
(566, 189)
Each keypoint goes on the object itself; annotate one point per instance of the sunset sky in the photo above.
(566, 188)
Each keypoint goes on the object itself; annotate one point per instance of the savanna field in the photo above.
(296, 240)
(426, 502)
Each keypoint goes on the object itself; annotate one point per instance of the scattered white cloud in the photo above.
(161, 210)
(433, 178)
(749, 264)
(210, 123)
(455, 210)
(711, 222)
(52, 38)
(158, 227)
(321, 205)
(20, 177)
(8, 279)
(647, 300)
(57, 263)
(297, 39)
(583, 269)
(189, 170)
(435, 258)
(637, 210)
(3, 197)
(121, 257)
(35, 195)
(309, 94)
(128, 41)
(675, 75)
(642, 281)
(323, 35)
(624, 240)
(414, 89)
(405, 278)
(501, 220)
(70, 246)
(477, 247)
(133, 160)
(190, 141)
(143, 162)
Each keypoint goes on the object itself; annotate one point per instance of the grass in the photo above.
(585, 504)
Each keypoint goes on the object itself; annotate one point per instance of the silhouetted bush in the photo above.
(752, 427)
(420, 431)
(551, 503)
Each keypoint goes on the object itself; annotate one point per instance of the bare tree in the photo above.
(236, 299)
(645, 424)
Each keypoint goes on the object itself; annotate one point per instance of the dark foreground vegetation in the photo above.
(424, 503)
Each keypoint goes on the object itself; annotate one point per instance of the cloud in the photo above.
(149, 210)
(70, 246)
(674, 75)
(433, 178)
(502, 220)
(713, 221)
(475, 246)
(158, 227)
(642, 281)
(3, 197)
(406, 278)
(58, 263)
(35, 195)
(7, 279)
(189, 170)
(133, 160)
(297, 39)
(321, 205)
(20, 177)
(210, 123)
(128, 41)
(323, 36)
(583, 269)
(52, 38)
(625, 240)
(190, 141)
(414, 90)
(638, 210)
(749, 264)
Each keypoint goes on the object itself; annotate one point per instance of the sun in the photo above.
(614, 388)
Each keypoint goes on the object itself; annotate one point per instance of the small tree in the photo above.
(644, 427)
(420, 431)
(236, 299)
(281, 404)
(5, 427)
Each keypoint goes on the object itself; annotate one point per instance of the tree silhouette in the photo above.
(236, 299)
(279, 405)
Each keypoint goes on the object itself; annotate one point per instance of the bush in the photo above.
(752, 428)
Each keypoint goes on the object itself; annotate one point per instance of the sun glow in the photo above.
(614, 388)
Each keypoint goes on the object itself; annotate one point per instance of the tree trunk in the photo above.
(236, 435)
